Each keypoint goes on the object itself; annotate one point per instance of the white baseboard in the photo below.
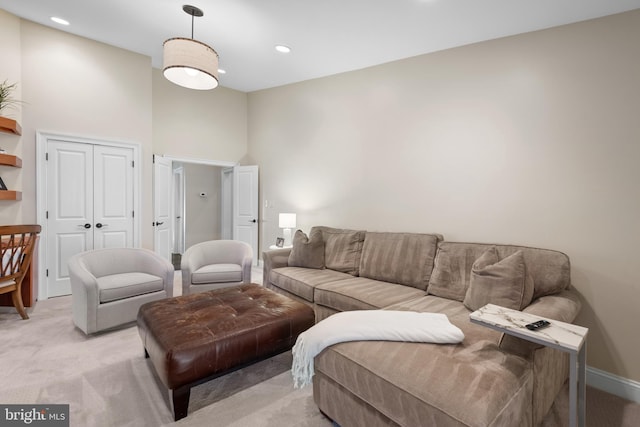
(619, 386)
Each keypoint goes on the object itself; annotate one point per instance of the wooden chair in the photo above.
(17, 243)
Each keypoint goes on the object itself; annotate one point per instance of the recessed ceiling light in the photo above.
(59, 20)
(221, 71)
(283, 49)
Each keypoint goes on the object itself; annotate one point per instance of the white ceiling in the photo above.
(326, 36)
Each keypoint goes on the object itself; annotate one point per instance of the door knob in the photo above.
(159, 223)
(99, 225)
(253, 220)
(87, 225)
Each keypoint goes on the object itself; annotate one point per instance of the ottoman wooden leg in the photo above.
(180, 401)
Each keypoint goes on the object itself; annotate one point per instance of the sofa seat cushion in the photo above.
(360, 293)
(302, 281)
(115, 287)
(217, 273)
(403, 258)
(472, 383)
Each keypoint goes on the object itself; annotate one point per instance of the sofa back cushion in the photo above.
(403, 258)
(550, 270)
(342, 248)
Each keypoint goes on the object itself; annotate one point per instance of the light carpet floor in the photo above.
(108, 382)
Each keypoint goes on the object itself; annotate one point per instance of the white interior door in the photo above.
(246, 207)
(178, 210)
(69, 208)
(113, 197)
(162, 221)
(226, 194)
(89, 204)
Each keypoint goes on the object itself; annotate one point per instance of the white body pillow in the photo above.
(368, 325)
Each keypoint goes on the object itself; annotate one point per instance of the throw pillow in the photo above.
(503, 282)
(307, 251)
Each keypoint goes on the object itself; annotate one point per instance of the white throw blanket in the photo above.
(368, 325)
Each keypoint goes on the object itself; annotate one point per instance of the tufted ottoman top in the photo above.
(192, 337)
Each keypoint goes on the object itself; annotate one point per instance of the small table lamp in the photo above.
(287, 221)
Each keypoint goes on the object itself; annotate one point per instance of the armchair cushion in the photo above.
(217, 273)
(4, 283)
(126, 285)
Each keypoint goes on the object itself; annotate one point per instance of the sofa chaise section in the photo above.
(411, 384)
(487, 380)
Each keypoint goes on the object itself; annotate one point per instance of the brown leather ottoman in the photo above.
(194, 338)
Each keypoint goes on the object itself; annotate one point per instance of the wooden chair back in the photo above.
(17, 243)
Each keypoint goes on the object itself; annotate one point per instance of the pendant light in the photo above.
(188, 62)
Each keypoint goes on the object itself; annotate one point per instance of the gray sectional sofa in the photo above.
(487, 380)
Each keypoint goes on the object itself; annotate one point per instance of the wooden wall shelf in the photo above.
(10, 160)
(10, 195)
(10, 126)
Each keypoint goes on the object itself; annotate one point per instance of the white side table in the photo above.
(559, 335)
(283, 247)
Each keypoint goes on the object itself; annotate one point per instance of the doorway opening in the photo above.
(201, 200)
(198, 205)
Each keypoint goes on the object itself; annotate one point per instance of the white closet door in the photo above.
(89, 204)
(113, 197)
(70, 209)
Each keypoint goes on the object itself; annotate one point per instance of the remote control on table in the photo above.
(537, 325)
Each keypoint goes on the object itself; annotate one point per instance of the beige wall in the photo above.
(203, 214)
(529, 140)
(198, 124)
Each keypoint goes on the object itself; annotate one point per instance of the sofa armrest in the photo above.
(550, 366)
(274, 259)
(563, 306)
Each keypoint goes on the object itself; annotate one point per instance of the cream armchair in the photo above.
(108, 286)
(215, 264)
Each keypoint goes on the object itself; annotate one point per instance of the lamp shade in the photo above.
(190, 63)
(287, 220)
